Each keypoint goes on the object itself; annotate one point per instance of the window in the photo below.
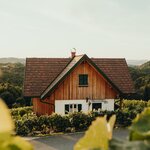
(96, 106)
(83, 80)
(66, 109)
(72, 108)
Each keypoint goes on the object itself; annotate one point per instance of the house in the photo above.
(78, 83)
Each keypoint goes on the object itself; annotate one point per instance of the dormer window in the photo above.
(83, 80)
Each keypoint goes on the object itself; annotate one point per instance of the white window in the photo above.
(69, 108)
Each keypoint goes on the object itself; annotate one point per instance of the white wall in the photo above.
(60, 105)
(107, 104)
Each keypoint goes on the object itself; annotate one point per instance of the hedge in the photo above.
(33, 125)
(27, 123)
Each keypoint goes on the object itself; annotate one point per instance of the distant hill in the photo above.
(136, 62)
(12, 60)
(145, 65)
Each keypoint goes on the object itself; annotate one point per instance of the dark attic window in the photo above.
(83, 80)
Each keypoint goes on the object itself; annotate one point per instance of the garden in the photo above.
(28, 124)
(99, 135)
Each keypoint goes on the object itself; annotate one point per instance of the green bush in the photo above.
(59, 123)
(8, 98)
(137, 105)
(21, 129)
(78, 120)
(15, 112)
(22, 112)
(124, 118)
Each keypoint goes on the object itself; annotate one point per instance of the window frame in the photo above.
(75, 107)
(83, 80)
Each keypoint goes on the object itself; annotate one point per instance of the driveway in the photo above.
(66, 141)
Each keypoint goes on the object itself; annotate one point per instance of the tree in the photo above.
(8, 98)
(147, 93)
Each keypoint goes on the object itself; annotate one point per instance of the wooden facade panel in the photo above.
(98, 87)
(41, 108)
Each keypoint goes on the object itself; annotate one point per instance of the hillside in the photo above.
(12, 73)
(141, 77)
(12, 60)
(145, 66)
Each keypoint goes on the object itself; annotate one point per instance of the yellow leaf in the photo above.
(95, 137)
(110, 126)
(21, 143)
(6, 123)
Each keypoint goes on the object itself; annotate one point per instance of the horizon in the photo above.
(70, 56)
(105, 29)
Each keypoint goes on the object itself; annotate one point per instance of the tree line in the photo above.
(11, 84)
(141, 79)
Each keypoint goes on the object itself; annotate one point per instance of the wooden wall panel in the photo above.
(41, 108)
(98, 87)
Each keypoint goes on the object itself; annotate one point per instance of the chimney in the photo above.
(73, 53)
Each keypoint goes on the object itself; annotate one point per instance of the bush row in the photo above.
(33, 125)
(27, 123)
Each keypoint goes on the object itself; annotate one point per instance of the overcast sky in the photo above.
(51, 28)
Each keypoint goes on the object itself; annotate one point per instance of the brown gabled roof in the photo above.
(117, 71)
(41, 72)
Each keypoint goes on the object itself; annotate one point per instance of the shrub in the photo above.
(137, 105)
(59, 123)
(15, 112)
(21, 129)
(78, 120)
(20, 101)
(22, 112)
(8, 98)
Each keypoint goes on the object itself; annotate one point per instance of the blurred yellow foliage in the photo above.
(7, 141)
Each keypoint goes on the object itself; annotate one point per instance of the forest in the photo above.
(12, 76)
(141, 78)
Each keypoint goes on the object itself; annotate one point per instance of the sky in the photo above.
(52, 28)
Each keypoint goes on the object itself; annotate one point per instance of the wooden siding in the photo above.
(98, 87)
(69, 89)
